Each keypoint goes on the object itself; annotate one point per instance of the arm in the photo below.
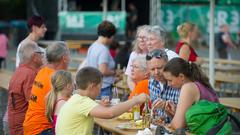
(184, 52)
(226, 39)
(189, 94)
(27, 86)
(59, 106)
(105, 70)
(116, 110)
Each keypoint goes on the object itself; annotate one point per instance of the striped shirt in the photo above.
(163, 91)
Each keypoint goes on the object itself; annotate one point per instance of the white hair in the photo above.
(142, 62)
(26, 50)
(160, 32)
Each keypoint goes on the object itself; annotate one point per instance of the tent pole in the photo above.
(123, 5)
(105, 4)
(211, 51)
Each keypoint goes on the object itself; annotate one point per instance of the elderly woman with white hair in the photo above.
(157, 40)
(139, 49)
(139, 75)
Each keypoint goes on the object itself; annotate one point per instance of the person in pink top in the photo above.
(3, 48)
(62, 88)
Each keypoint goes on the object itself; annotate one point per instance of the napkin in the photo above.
(146, 131)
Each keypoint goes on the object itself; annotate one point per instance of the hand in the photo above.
(159, 103)
(170, 108)
(105, 101)
(141, 98)
(119, 73)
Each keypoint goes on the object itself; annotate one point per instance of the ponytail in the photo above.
(198, 75)
(184, 28)
(178, 65)
(59, 81)
(50, 104)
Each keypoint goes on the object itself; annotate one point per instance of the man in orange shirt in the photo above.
(36, 122)
(139, 75)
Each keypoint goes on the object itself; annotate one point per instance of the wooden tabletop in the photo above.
(231, 102)
(5, 76)
(110, 125)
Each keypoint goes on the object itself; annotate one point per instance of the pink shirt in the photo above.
(3, 46)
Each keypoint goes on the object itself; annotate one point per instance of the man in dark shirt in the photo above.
(223, 40)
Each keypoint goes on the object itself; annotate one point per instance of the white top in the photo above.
(171, 54)
(133, 55)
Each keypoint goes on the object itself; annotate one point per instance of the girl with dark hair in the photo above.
(194, 86)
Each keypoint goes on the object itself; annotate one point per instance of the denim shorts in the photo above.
(107, 91)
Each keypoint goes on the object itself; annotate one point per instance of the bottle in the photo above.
(136, 112)
(146, 116)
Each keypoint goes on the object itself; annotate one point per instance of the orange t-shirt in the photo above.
(35, 119)
(141, 87)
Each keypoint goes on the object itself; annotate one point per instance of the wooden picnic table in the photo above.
(111, 126)
(231, 102)
(5, 76)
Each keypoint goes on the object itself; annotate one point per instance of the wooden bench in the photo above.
(231, 103)
(77, 44)
(223, 61)
(77, 59)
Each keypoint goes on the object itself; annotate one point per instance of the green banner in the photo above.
(173, 15)
(87, 22)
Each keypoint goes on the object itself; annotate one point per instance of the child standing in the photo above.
(61, 91)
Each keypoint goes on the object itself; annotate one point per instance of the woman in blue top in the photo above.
(98, 56)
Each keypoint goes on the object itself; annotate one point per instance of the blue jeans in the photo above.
(107, 91)
(47, 132)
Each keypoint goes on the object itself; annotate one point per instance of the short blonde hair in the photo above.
(184, 28)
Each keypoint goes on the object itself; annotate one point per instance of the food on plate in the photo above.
(138, 123)
(126, 116)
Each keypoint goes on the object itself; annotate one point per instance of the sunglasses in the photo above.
(156, 54)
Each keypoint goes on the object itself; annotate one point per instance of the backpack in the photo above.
(205, 117)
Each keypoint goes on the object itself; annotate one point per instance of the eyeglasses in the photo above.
(157, 54)
(135, 67)
(39, 52)
(142, 38)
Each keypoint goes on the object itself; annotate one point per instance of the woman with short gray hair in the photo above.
(139, 75)
(157, 40)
